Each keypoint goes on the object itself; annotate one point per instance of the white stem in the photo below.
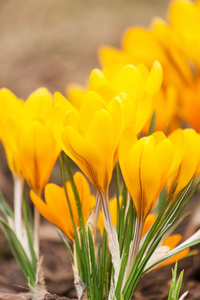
(112, 236)
(97, 209)
(36, 231)
(93, 218)
(18, 195)
(134, 247)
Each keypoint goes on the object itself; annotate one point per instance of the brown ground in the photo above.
(51, 43)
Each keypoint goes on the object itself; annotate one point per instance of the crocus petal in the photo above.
(56, 208)
(100, 83)
(75, 94)
(148, 223)
(154, 80)
(141, 37)
(145, 166)
(173, 259)
(111, 56)
(38, 154)
(45, 211)
(91, 104)
(37, 106)
(83, 154)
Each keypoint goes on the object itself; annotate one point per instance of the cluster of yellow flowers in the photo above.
(176, 46)
(107, 122)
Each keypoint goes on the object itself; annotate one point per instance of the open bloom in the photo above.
(55, 208)
(26, 135)
(146, 165)
(90, 135)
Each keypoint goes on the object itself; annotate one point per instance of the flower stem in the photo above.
(36, 241)
(112, 235)
(93, 218)
(134, 247)
(18, 195)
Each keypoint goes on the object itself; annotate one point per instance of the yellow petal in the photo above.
(178, 140)
(100, 133)
(119, 117)
(172, 242)
(127, 140)
(37, 106)
(92, 102)
(173, 259)
(83, 154)
(111, 56)
(128, 79)
(38, 154)
(57, 119)
(87, 201)
(47, 213)
(100, 83)
(148, 223)
(154, 80)
(135, 43)
(76, 94)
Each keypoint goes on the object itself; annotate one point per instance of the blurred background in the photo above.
(51, 43)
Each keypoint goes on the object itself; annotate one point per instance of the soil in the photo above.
(52, 43)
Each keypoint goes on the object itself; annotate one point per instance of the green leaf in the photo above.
(5, 208)
(125, 252)
(93, 264)
(175, 285)
(29, 234)
(27, 267)
(117, 172)
(79, 257)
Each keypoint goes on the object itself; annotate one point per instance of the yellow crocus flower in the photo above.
(146, 165)
(137, 82)
(26, 135)
(55, 208)
(10, 110)
(172, 241)
(37, 146)
(90, 134)
(190, 162)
